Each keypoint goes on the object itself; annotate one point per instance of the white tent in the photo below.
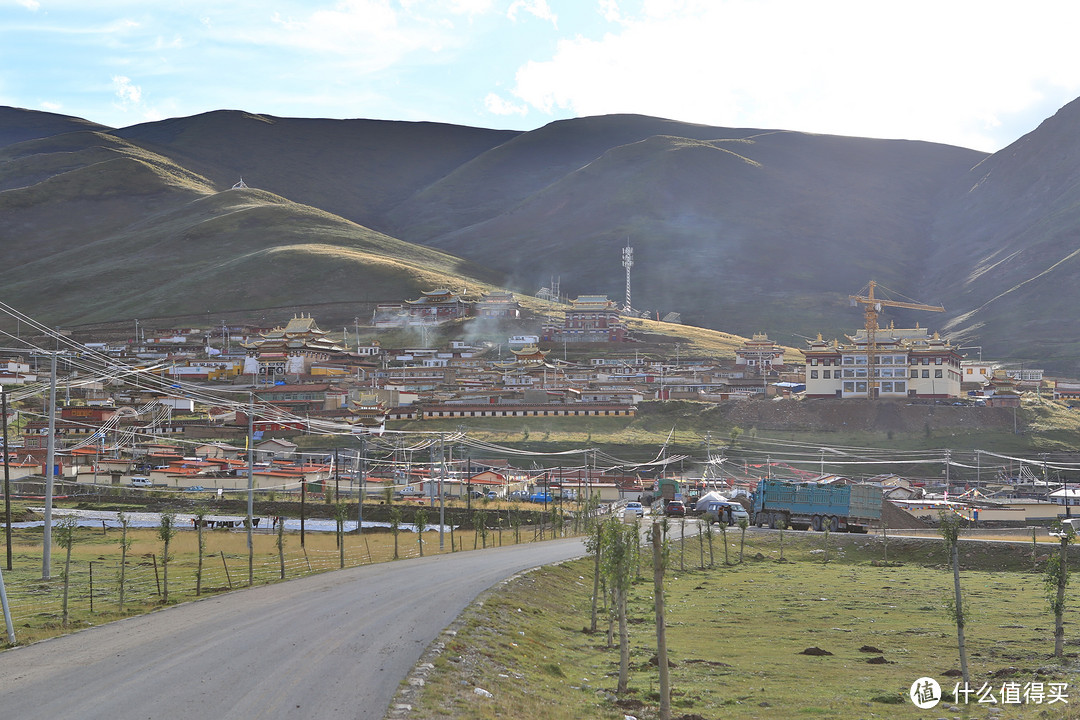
(709, 497)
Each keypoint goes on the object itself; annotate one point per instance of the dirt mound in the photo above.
(895, 518)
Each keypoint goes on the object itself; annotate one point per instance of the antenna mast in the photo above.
(628, 262)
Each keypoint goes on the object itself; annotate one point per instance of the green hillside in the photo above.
(742, 230)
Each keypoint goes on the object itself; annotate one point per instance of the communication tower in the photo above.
(628, 262)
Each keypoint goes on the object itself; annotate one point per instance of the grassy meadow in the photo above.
(93, 594)
(736, 636)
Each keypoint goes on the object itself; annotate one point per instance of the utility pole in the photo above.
(7, 476)
(251, 488)
(50, 459)
(363, 485)
(442, 497)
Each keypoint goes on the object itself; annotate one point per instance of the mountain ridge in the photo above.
(740, 229)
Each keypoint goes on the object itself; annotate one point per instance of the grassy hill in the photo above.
(742, 230)
(358, 169)
(707, 245)
(102, 229)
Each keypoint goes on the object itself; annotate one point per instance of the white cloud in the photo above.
(127, 92)
(30, 4)
(609, 10)
(499, 106)
(51, 106)
(538, 8)
(919, 69)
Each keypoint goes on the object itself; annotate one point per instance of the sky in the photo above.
(978, 74)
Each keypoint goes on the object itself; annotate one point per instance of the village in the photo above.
(167, 425)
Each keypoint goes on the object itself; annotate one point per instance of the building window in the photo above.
(969, 371)
(899, 386)
(849, 387)
(914, 373)
(926, 373)
(937, 361)
(827, 374)
(813, 361)
(860, 387)
(813, 374)
(937, 373)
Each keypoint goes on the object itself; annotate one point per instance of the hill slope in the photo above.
(739, 229)
(113, 231)
(767, 232)
(1007, 248)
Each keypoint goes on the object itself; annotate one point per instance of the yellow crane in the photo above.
(871, 307)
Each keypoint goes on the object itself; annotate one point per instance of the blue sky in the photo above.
(976, 74)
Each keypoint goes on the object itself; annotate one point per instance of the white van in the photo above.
(142, 482)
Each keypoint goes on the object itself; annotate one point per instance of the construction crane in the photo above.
(871, 307)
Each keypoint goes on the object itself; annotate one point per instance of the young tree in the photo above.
(480, 527)
(701, 541)
(1057, 579)
(395, 527)
(280, 547)
(594, 545)
(682, 544)
(125, 545)
(420, 520)
(200, 520)
(885, 539)
(1034, 551)
(743, 524)
(166, 532)
(708, 532)
(65, 537)
(950, 531)
(620, 542)
(723, 536)
(340, 512)
(660, 558)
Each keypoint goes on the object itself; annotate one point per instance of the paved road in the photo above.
(328, 646)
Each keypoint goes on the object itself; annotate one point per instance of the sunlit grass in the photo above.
(736, 637)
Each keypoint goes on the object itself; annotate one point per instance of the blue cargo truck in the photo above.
(802, 506)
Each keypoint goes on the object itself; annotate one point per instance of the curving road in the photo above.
(335, 645)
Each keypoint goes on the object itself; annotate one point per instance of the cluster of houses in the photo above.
(304, 379)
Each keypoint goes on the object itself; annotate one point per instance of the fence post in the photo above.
(227, 576)
(91, 586)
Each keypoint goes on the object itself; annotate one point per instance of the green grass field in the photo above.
(93, 595)
(737, 634)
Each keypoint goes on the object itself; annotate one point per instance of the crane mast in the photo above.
(871, 308)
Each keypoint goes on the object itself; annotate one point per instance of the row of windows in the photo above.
(880, 360)
(882, 373)
(886, 387)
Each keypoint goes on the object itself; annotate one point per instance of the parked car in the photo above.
(675, 508)
(139, 481)
(194, 488)
(729, 513)
(541, 498)
(636, 507)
